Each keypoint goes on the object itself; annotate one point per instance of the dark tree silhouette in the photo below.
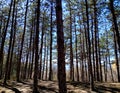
(22, 42)
(116, 32)
(3, 41)
(89, 49)
(10, 45)
(60, 49)
(51, 41)
(35, 83)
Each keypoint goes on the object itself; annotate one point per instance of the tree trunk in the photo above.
(85, 47)
(89, 50)
(22, 42)
(76, 52)
(116, 58)
(3, 41)
(82, 64)
(41, 47)
(27, 56)
(30, 50)
(44, 59)
(117, 35)
(100, 64)
(35, 82)
(51, 30)
(33, 51)
(13, 43)
(60, 49)
(106, 70)
(108, 54)
(47, 64)
(96, 40)
(71, 50)
(10, 46)
(26, 65)
(110, 66)
(93, 56)
(115, 24)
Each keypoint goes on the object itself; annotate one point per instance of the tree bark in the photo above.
(44, 59)
(115, 23)
(60, 49)
(41, 47)
(116, 58)
(93, 56)
(76, 41)
(10, 46)
(71, 49)
(35, 82)
(46, 76)
(117, 35)
(22, 41)
(13, 43)
(89, 50)
(3, 41)
(96, 40)
(51, 30)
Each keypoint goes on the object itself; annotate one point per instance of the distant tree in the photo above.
(41, 46)
(13, 44)
(33, 53)
(44, 58)
(76, 44)
(108, 54)
(30, 52)
(71, 46)
(96, 39)
(46, 75)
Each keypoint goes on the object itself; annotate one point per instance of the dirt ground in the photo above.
(52, 87)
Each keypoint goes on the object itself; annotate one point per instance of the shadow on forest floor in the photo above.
(8, 89)
(102, 89)
(52, 87)
(44, 86)
(81, 85)
(99, 87)
(44, 89)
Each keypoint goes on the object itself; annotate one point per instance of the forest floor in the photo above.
(52, 87)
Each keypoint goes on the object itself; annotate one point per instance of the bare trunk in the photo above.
(22, 42)
(71, 49)
(116, 58)
(13, 43)
(89, 50)
(47, 64)
(96, 40)
(44, 59)
(41, 47)
(76, 52)
(3, 41)
(10, 46)
(115, 24)
(51, 30)
(93, 56)
(60, 49)
(35, 81)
